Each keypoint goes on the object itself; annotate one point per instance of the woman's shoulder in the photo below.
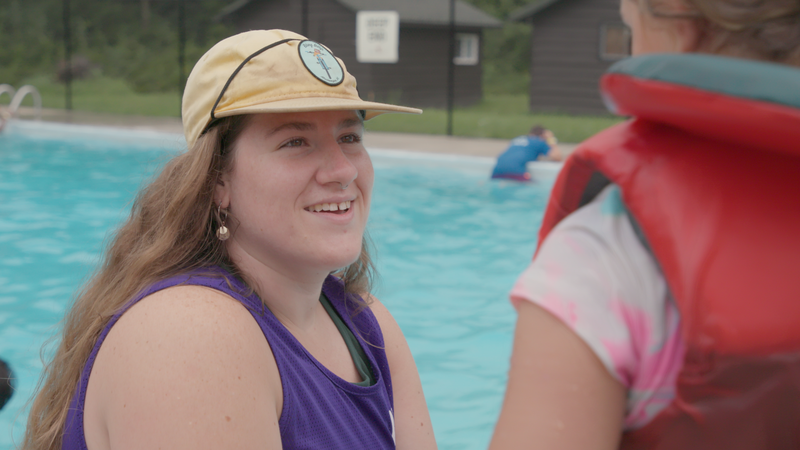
(379, 310)
(390, 330)
(181, 355)
(187, 303)
(188, 318)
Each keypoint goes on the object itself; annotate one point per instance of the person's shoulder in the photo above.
(520, 141)
(187, 303)
(606, 207)
(388, 325)
(377, 308)
(178, 361)
(188, 319)
(600, 237)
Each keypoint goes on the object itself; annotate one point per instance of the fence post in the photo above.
(67, 55)
(451, 68)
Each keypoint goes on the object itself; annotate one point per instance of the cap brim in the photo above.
(307, 104)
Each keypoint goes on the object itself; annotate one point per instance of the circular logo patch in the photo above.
(321, 63)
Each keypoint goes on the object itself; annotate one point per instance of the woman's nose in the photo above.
(337, 168)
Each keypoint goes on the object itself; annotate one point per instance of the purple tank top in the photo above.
(320, 410)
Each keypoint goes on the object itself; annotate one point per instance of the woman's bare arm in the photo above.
(559, 394)
(185, 368)
(413, 429)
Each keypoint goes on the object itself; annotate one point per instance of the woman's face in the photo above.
(298, 191)
(651, 34)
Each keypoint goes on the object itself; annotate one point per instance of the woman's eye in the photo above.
(296, 142)
(351, 139)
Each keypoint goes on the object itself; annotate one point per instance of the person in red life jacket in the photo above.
(661, 310)
(539, 143)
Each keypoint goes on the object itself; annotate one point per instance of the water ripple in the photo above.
(449, 245)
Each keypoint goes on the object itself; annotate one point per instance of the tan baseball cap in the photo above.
(269, 71)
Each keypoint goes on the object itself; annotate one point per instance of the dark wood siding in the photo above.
(282, 14)
(419, 78)
(565, 59)
(335, 26)
(328, 22)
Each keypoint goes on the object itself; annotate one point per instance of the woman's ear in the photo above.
(222, 195)
(688, 35)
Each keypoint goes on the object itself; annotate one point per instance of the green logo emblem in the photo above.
(321, 63)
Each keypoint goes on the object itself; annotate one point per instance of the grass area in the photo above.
(501, 116)
(105, 95)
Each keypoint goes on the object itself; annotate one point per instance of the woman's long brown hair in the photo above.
(171, 229)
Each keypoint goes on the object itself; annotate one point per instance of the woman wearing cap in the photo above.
(215, 320)
(661, 308)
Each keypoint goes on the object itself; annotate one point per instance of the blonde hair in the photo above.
(767, 30)
(171, 229)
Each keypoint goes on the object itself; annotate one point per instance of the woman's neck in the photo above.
(291, 294)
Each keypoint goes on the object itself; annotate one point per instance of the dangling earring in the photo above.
(222, 232)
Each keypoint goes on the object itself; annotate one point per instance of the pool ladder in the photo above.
(8, 112)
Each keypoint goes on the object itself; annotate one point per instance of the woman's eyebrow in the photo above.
(299, 126)
(307, 126)
(350, 122)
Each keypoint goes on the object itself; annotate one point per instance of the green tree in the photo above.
(506, 51)
(136, 40)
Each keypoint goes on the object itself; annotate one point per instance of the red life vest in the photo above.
(713, 181)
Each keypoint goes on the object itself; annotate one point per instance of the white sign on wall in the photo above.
(377, 36)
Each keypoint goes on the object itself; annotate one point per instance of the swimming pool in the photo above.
(448, 246)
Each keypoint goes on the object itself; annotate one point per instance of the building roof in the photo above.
(530, 10)
(430, 12)
(419, 12)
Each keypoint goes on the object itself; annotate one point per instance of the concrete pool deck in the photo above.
(425, 143)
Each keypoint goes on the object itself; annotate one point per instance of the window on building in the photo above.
(615, 41)
(466, 49)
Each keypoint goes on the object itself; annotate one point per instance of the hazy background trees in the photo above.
(137, 41)
(506, 51)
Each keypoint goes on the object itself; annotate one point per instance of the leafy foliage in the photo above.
(506, 51)
(136, 40)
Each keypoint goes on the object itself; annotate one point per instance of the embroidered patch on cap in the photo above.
(321, 63)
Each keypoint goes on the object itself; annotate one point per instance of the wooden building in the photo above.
(419, 78)
(572, 43)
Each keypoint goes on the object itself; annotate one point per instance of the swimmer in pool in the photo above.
(232, 309)
(539, 143)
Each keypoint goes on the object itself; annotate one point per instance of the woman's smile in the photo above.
(338, 207)
(299, 190)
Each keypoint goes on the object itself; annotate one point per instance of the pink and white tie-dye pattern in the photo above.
(593, 274)
(648, 363)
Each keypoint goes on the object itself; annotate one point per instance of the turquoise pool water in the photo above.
(449, 245)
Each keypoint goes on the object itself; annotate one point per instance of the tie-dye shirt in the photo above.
(594, 274)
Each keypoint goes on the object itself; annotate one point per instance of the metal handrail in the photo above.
(20, 95)
(17, 96)
(7, 89)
